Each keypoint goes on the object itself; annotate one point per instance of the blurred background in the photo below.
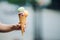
(43, 21)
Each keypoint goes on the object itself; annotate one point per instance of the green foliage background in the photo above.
(18, 2)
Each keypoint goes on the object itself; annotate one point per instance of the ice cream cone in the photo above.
(22, 19)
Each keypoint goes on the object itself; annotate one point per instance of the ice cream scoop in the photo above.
(22, 13)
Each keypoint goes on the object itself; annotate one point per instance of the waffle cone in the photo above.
(22, 20)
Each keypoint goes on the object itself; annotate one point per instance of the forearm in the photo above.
(9, 27)
(5, 28)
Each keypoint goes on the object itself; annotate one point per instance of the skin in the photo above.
(7, 28)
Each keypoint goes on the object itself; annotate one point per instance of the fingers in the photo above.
(16, 27)
(19, 27)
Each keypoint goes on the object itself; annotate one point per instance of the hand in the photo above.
(16, 27)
